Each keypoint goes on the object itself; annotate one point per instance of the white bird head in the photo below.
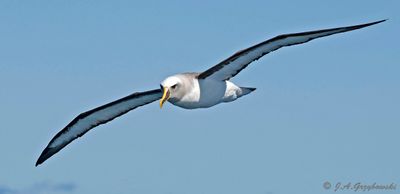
(171, 89)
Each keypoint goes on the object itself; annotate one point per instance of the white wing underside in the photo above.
(90, 119)
(237, 62)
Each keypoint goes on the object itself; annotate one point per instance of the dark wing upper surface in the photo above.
(240, 60)
(92, 118)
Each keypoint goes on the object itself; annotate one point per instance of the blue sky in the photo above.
(327, 110)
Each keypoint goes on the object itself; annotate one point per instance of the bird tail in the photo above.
(246, 90)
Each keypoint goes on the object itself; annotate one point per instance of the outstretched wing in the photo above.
(240, 60)
(92, 118)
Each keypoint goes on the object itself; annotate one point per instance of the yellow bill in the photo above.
(165, 96)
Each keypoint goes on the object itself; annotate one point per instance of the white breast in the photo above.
(203, 94)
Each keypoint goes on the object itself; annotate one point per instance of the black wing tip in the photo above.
(38, 163)
(349, 28)
(376, 22)
(46, 154)
(382, 20)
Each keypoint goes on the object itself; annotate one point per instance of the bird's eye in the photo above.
(174, 86)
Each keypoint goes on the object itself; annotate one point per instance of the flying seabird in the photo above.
(187, 90)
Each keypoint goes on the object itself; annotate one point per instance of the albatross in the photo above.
(187, 90)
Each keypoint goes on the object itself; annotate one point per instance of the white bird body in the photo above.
(187, 90)
(203, 93)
